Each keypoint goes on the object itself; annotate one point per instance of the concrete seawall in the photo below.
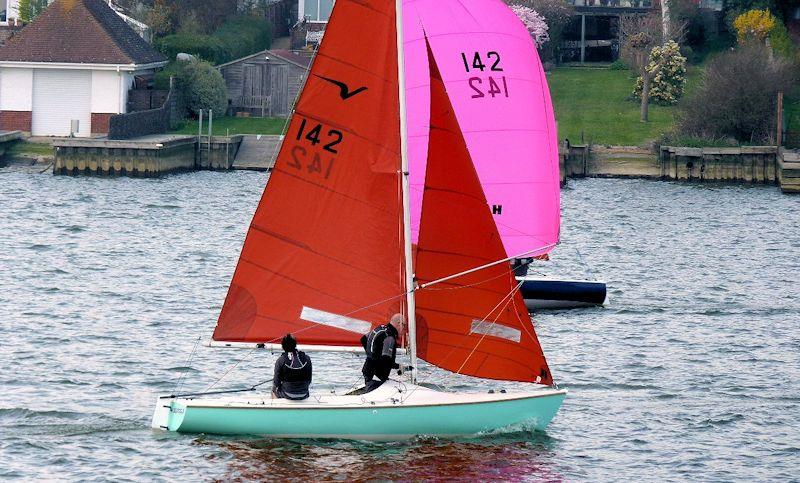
(159, 154)
(6, 138)
(146, 156)
(789, 171)
(746, 164)
(218, 152)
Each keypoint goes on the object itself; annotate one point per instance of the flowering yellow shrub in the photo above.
(754, 24)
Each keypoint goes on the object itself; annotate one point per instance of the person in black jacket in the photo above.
(380, 345)
(292, 372)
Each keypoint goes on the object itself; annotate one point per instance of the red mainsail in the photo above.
(474, 324)
(323, 256)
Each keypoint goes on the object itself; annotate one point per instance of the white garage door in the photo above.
(59, 96)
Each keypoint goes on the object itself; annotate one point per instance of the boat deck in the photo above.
(391, 393)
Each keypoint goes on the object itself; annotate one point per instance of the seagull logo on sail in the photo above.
(344, 91)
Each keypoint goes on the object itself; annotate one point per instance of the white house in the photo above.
(70, 70)
(312, 18)
(314, 11)
(9, 9)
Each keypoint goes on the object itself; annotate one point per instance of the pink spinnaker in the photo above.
(495, 80)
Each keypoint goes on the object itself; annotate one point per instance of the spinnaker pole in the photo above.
(409, 268)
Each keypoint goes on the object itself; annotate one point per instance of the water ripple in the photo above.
(689, 373)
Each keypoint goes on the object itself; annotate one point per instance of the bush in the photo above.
(688, 52)
(205, 47)
(781, 43)
(675, 139)
(161, 78)
(244, 35)
(754, 25)
(236, 38)
(667, 68)
(202, 87)
(737, 96)
(619, 64)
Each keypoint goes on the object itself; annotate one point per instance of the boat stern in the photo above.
(166, 414)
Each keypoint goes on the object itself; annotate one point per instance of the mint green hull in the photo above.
(371, 423)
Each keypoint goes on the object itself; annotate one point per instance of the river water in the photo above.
(692, 371)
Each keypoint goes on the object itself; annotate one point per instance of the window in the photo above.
(3, 10)
(315, 10)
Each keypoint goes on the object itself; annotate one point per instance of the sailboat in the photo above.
(499, 91)
(337, 207)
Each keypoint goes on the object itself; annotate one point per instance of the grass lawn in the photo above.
(591, 101)
(236, 125)
(596, 102)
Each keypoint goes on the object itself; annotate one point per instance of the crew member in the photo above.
(380, 346)
(292, 371)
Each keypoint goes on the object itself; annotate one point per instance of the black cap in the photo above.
(289, 343)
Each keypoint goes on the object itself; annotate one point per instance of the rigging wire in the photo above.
(586, 266)
(380, 302)
(186, 365)
(508, 298)
(230, 369)
(505, 301)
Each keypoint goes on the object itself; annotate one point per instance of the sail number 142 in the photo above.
(494, 84)
(317, 156)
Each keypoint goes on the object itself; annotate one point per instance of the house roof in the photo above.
(298, 58)
(79, 32)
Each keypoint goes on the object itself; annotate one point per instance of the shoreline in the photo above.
(736, 165)
(764, 165)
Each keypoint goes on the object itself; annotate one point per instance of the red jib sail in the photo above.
(474, 324)
(323, 255)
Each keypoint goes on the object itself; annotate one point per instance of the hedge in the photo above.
(236, 38)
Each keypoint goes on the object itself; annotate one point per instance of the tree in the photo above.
(665, 20)
(667, 69)
(557, 15)
(29, 9)
(737, 96)
(533, 22)
(640, 34)
(159, 18)
(25, 11)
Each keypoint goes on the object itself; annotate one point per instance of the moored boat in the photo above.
(548, 293)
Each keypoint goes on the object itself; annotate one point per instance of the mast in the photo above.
(409, 269)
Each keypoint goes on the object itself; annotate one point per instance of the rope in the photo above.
(230, 369)
(388, 299)
(186, 366)
(262, 383)
(507, 299)
(586, 266)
